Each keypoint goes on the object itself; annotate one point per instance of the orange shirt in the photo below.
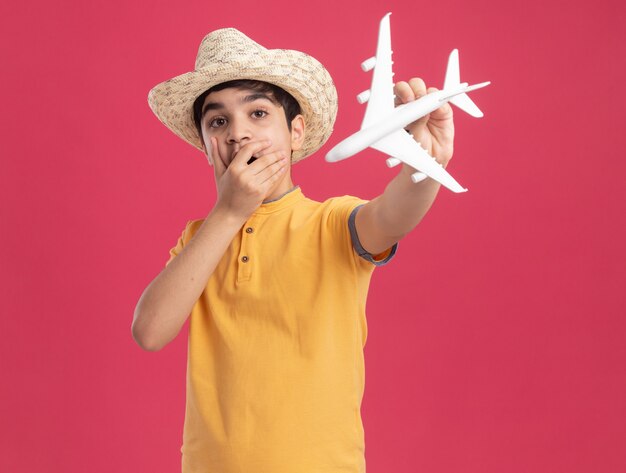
(275, 372)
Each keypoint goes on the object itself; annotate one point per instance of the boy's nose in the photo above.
(238, 132)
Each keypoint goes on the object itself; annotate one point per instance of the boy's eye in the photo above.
(259, 113)
(217, 122)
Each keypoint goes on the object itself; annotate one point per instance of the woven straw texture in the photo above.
(227, 54)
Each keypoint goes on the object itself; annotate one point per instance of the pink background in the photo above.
(497, 335)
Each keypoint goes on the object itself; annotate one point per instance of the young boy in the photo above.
(276, 283)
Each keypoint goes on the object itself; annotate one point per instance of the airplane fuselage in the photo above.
(400, 117)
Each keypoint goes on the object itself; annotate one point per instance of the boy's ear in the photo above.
(297, 132)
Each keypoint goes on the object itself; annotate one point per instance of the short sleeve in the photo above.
(378, 260)
(182, 240)
(344, 210)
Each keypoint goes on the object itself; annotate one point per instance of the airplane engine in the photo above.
(418, 177)
(368, 64)
(363, 96)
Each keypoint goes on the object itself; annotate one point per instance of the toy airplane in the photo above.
(383, 124)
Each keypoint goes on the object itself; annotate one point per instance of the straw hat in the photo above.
(228, 54)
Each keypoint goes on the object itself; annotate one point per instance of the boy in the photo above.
(276, 283)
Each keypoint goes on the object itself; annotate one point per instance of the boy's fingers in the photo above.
(418, 87)
(247, 151)
(265, 161)
(272, 173)
(403, 93)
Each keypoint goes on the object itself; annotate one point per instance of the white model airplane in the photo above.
(383, 124)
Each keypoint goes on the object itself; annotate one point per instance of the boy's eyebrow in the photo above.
(211, 106)
(258, 95)
(248, 98)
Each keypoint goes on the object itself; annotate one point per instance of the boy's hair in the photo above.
(278, 95)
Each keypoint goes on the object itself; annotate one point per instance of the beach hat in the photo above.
(227, 54)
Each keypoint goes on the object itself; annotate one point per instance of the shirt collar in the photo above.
(286, 200)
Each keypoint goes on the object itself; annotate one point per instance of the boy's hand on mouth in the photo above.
(246, 182)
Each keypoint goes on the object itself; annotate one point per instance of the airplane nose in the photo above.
(332, 155)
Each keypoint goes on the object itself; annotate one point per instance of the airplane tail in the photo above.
(453, 78)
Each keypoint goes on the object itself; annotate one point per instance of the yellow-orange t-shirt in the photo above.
(275, 372)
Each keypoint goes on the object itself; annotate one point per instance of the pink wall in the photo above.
(497, 335)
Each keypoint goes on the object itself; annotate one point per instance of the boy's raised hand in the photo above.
(242, 187)
(435, 131)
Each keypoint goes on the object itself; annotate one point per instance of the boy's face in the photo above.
(236, 117)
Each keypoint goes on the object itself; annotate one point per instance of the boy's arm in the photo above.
(167, 301)
(386, 219)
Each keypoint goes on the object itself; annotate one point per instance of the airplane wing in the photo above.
(400, 145)
(380, 103)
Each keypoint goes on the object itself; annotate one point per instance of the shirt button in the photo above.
(249, 230)
(244, 259)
